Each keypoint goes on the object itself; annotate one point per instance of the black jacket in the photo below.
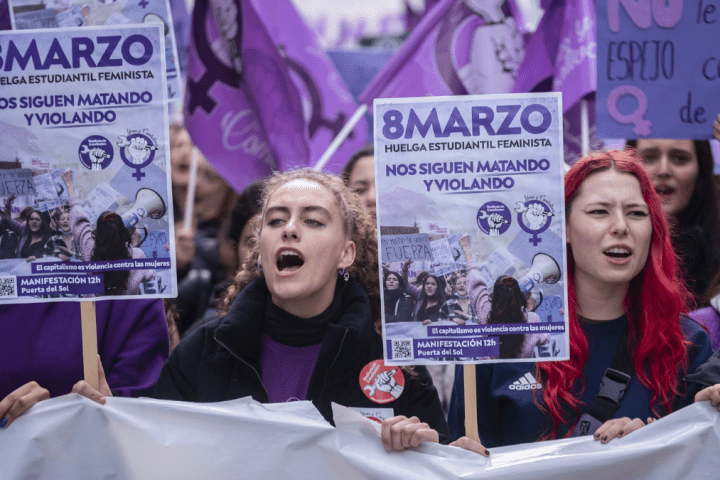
(8, 244)
(707, 374)
(400, 310)
(221, 361)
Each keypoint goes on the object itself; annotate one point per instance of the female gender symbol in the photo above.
(642, 126)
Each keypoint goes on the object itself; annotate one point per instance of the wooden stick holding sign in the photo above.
(89, 344)
(471, 423)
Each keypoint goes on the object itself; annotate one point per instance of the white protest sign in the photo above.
(18, 182)
(443, 262)
(103, 197)
(94, 102)
(398, 248)
(483, 172)
(47, 197)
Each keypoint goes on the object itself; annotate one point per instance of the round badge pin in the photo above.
(381, 383)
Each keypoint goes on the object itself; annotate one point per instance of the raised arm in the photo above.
(67, 177)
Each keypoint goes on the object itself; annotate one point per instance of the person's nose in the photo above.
(620, 225)
(290, 230)
(663, 166)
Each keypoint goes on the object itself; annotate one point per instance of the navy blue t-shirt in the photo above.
(507, 414)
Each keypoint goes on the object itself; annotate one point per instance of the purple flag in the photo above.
(327, 103)
(571, 63)
(242, 109)
(568, 66)
(576, 64)
(541, 51)
(458, 48)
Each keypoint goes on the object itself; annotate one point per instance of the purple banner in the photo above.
(60, 285)
(458, 48)
(95, 267)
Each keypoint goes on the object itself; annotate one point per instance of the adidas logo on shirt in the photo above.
(526, 382)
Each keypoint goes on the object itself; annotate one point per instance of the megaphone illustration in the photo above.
(148, 204)
(544, 269)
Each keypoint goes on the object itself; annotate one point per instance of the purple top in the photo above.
(42, 342)
(708, 317)
(286, 370)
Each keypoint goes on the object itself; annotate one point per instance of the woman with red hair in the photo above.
(623, 286)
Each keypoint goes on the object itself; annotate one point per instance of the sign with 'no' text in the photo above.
(658, 68)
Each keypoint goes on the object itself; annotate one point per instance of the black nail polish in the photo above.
(621, 432)
(487, 453)
(604, 438)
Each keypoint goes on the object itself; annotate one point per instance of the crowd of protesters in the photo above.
(279, 299)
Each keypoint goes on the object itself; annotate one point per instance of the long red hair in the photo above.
(655, 299)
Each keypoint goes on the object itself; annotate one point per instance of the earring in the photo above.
(345, 274)
(259, 267)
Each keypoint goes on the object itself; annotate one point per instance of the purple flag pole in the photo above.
(341, 136)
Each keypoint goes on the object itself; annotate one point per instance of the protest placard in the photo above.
(658, 72)
(475, 173)
(80, 13)
(443, 262)
(47, 197)
(17, 182)
(398, 248)
(84, 109)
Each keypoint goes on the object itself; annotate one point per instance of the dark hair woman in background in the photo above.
(682, 174)
(509, 306)
(398, 304)
(428, 299)
(34, 236)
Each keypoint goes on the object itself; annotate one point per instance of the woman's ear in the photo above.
(348, 255)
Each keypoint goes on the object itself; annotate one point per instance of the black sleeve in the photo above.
(423, 402)
(405, 311)
(179, 376)
(707, 374)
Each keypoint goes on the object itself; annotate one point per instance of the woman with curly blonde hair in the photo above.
(302, 324)
(357, 224)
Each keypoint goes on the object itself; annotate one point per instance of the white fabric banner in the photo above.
(71, 437)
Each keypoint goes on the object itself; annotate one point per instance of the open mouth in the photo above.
(664, 191)
(618, 252)
(289, 260)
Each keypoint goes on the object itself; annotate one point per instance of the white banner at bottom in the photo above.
(72, 437)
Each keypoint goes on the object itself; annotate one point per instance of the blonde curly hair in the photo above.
(357, 224)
